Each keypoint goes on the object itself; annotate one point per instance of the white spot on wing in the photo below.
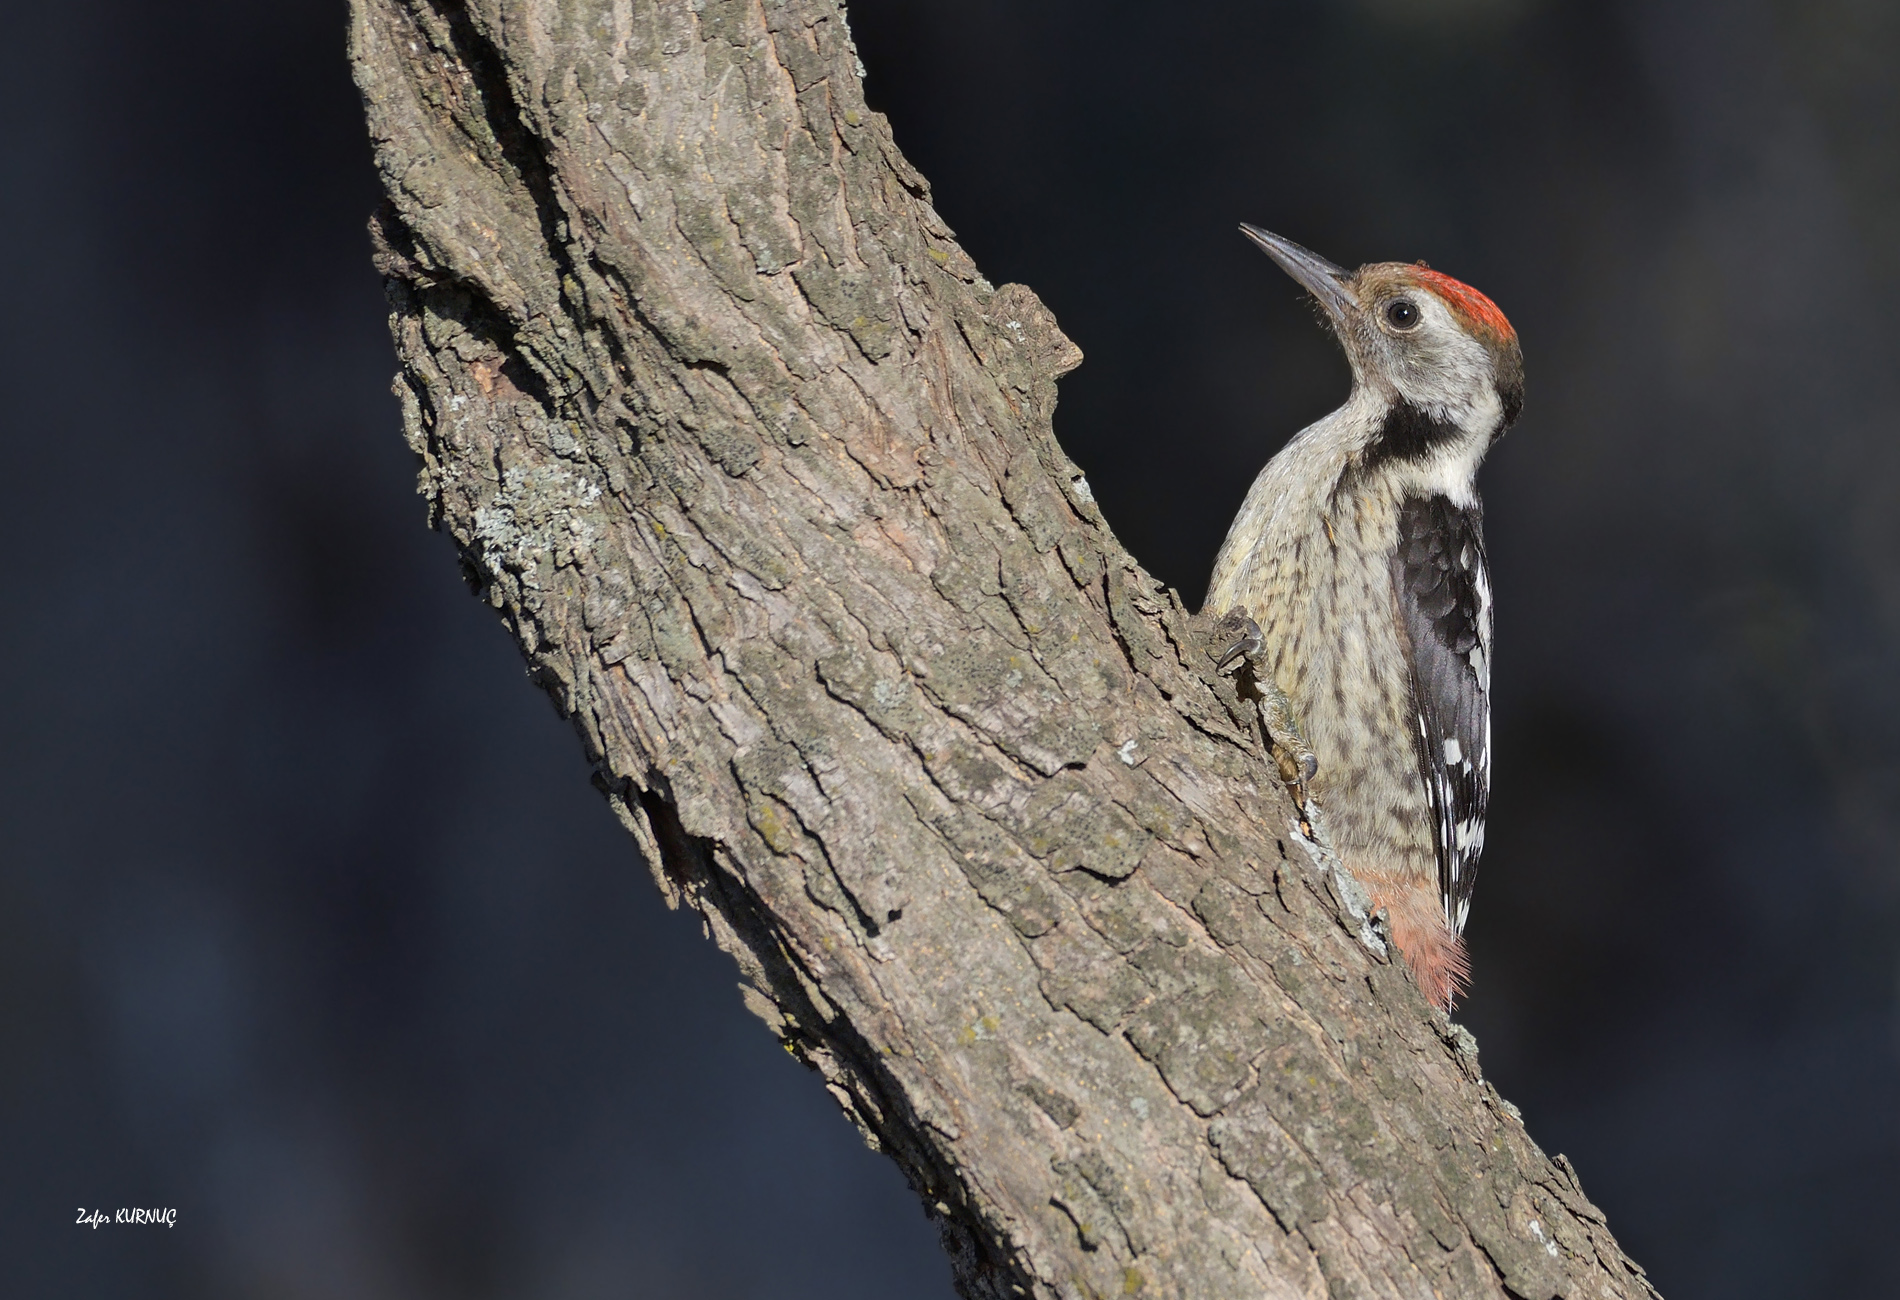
(1453, 754)
(1481, 653)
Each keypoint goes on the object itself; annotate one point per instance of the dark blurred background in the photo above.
(312, 928)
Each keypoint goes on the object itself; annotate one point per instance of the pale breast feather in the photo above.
(1444, 600)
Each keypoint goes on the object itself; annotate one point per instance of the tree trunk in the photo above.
(760, 472)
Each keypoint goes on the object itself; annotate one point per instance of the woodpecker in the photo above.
(1359, 555)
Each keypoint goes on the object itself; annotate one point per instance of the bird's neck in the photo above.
(1426, 450)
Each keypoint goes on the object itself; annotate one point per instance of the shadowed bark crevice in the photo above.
(760, 472)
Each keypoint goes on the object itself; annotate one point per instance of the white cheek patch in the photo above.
(1451, 379)
(1445, 368)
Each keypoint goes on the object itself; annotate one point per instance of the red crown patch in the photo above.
(1466, 301)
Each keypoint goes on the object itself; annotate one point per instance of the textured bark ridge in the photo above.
(760, 472)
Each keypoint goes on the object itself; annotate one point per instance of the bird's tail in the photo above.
(1423, 937)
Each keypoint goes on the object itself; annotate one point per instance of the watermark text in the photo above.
(99, 1218)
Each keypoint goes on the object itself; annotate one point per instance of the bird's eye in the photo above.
(1401, 314)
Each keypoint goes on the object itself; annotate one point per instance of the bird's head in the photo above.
(1430, 345)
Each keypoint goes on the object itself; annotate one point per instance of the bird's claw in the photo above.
(1239, 640)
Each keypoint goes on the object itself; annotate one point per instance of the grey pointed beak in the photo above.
(1316, 275)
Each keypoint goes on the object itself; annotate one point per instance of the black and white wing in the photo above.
(1444, 596)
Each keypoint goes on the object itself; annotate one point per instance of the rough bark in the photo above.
(759, 470)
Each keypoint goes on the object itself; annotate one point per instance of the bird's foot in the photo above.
(1298, 764)
(1237, 642)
